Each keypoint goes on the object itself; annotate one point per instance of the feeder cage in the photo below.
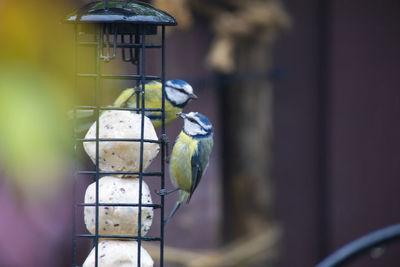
(107, 33)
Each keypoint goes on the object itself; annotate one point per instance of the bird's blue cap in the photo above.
(203, 119)
(178, 82)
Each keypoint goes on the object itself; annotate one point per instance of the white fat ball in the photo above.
(117, 253)
(118, 220)
(122, 156)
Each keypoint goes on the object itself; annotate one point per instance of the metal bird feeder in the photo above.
(117, 30)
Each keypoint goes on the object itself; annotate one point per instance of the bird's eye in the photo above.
(180, 90)
(192, 120)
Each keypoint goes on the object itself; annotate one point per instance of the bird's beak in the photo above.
(193, 96)
(181, 114)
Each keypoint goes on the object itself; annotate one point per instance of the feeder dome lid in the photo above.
(120, 12)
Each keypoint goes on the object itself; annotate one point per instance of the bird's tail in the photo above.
(177, 205)
(183, 196)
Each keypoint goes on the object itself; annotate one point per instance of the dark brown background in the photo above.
(336, 144)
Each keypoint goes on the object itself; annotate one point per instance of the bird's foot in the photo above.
(138, 90)
(164, 192)
(165, 140)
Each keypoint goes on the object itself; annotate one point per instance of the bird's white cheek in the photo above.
(176, 96)
(193, 128)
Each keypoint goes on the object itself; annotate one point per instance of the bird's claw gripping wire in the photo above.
(165, 140)
(164, 192)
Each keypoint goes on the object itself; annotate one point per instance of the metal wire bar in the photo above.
(75, 164)
(117, 108)
(146, 238)
(360, 245)
(122, 44)
(139, 240)
(138, 60)
(121, 173)
(118, 205)
(118, 140)
(125, 58)
(119, 76)
(97, 114)
(163, 146)
(107, 31)
(138, 83)
(132, 55)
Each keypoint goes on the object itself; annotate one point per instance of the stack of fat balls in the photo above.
(188, 162)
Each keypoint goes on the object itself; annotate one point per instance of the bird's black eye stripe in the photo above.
(192, 120)
(180, 90)
(195, 121)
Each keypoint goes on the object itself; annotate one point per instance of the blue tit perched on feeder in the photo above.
(178, 94)
(190, 156)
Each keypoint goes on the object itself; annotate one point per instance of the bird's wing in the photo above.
(153, 99)
(153, 91)
(200, 162)
(127, 98)
(197, 171)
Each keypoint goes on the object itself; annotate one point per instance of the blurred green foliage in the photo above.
(35, 93)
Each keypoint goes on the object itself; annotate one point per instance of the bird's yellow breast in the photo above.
(181, 161)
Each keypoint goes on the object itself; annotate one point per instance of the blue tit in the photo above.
(190, 156)
(178, 94)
